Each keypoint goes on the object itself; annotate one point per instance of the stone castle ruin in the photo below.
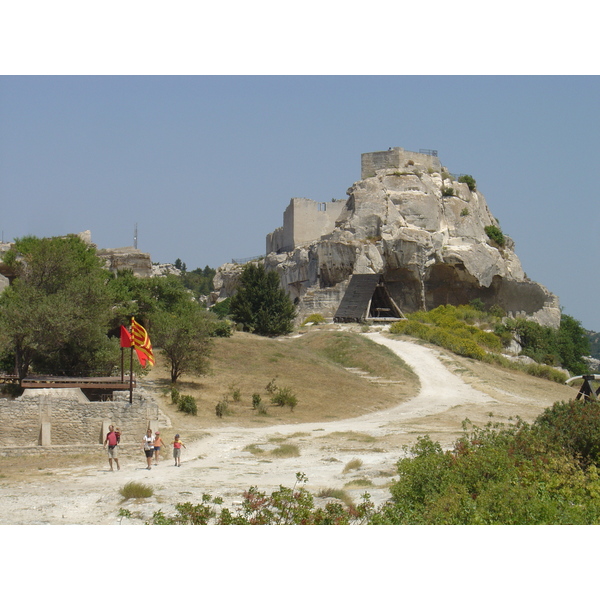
(409, 221)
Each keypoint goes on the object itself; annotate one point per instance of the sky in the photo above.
(205, 165)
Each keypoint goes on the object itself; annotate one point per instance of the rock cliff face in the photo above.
(117, 259)
(424, 232)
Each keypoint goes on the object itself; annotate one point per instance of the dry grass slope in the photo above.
(325, 369)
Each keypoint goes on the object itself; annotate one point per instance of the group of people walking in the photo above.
(151, 444)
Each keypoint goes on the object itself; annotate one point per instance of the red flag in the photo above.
(141, 341)
(126, 343)
(125, 337)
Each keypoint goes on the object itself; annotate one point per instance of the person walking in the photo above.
(112, 441)
(177, 443)
(148, 446)
(158, 444)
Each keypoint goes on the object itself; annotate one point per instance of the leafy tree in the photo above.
(183, 335)
(260, 304)
(55, 315)
(199, 281)
(144, 297)
(573, 343)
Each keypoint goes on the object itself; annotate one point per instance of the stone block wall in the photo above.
(396, 158)
(66, 417)
(304, 221)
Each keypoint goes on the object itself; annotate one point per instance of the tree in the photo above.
(184, 338)
(260, 304)
(54, 316)
(573, 343)
(144, 297)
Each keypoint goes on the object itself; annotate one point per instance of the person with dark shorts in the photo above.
(148, 445)
(112, 441)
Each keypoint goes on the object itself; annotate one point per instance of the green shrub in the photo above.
(174, 395)
(256, 400)
(236, 394)
(286, 451)
(223, 328)
(499, 474)
(495, 234)
(284, 506)
(285, 397)
(448, 191)
(575, 427)
(187, 404)
(315, 319)
(134, 489)
(222, 409)
(469, 181)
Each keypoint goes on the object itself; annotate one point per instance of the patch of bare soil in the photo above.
(353, 449)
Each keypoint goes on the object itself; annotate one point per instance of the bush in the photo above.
(500, 474)
(285, 397)
(223, 328)
(187, 404)
(133, 489)
(174, 395)
(575, 427)
(354, 464)
(448, 191)
(469, 181)
(495, 234)
(222, 409)
(315, 319)
(286, 451)
(285, 506)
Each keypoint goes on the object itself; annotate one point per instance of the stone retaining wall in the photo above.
(65, 417)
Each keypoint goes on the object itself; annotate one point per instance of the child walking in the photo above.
(158, 444)
(177, 443)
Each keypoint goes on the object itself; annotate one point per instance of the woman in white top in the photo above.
(148, 445)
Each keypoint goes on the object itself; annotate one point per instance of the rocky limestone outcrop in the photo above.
(426, 234)
(130, 258)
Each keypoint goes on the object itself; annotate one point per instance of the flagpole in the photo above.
(131, 377)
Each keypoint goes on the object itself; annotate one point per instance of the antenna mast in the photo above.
(135, 237)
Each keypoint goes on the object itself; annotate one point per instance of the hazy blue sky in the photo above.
(206, 165)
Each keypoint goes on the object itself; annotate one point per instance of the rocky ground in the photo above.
(355, 455)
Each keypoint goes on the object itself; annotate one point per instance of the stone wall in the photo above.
(304, 221)
(66, 417)
(396, 158)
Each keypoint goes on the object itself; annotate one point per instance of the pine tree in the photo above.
(260, 304)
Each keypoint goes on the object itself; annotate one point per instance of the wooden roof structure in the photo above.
(367, 299)
(49, 381)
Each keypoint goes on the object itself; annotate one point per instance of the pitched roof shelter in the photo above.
(367, 299)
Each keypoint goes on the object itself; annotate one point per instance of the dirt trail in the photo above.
(221, 462)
